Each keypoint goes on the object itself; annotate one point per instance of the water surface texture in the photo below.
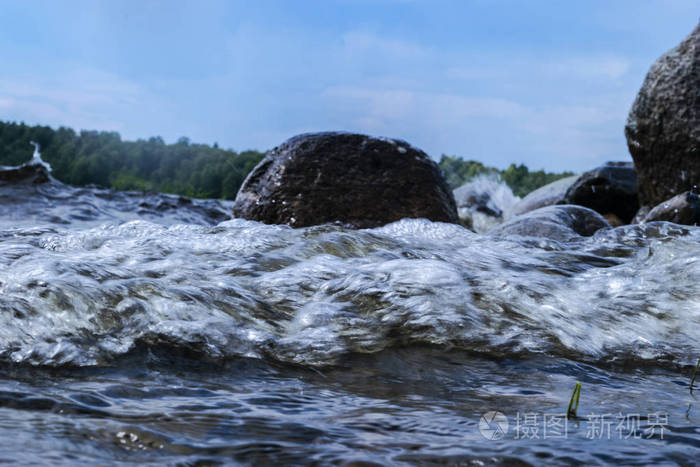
(155, 329)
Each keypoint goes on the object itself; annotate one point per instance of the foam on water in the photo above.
(309, 296)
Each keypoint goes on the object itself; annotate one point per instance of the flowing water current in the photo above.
(151, 328)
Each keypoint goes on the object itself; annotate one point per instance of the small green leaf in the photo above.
(573, 403)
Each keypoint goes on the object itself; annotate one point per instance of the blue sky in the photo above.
(546, 83)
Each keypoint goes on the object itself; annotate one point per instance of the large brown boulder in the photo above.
(663, 127)
(356, 180)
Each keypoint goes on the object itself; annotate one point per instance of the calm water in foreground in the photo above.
(151, 329)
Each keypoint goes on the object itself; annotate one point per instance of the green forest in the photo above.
(195, 170)
(103, 159)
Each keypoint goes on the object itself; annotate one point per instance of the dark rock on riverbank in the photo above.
(547, 195)
(608, 189)
(28, 173)
(663, 127)
(357, 180)
(682, 209)
(560, 222)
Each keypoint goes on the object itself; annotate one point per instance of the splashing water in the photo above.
(485, 201)
(36, 158)
(310, 296)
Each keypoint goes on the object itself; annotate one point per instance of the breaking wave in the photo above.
(86, 295)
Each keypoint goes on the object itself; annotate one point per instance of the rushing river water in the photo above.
(154, 329)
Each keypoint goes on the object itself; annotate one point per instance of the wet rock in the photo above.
(356, 180)
(663, 127)
(28, 173)
(682, 209)
(608, 189)
(560, 222)
(483, 202)
(547, 195)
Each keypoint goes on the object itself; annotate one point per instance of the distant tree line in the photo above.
(103, 159)
(196, 170)
(518, 177)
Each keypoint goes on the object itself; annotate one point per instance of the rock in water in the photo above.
(682, 209)
(27, 173)
(663, 127)
(608, 189)
(561, 222)
(547, 195)
(357, 180)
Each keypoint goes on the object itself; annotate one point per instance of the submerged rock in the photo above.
(547, 195)
(663, 127)
(560, 222)
(357, 180)
(608, 189)
(682, 209)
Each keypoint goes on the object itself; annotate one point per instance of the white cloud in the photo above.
(553, 112)
(603, 68)
(365, 42)
(390, 104)
(80, 98)
(493, 129)
(497, 107)
(595, 67)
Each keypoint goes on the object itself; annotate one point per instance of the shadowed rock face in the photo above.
(682, 209)
(560, 222)
(608, 189)
(663, 127)
(357, 180)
